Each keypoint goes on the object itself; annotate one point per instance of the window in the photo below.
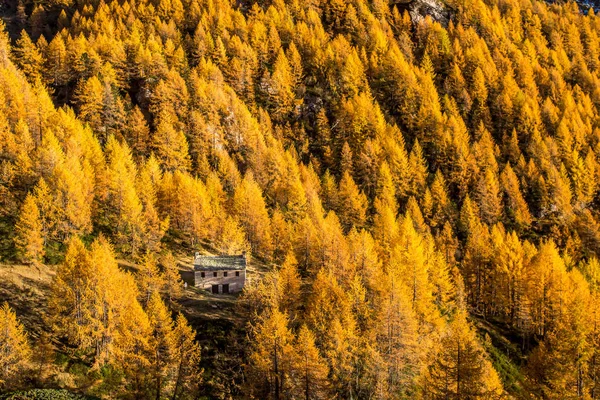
(202, 274)
(237, 273)
(225, 273)
(215, 274)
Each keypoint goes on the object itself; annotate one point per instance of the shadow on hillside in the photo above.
(26, 294)
(187, 277)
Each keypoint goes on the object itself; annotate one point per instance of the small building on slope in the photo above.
(220, 274)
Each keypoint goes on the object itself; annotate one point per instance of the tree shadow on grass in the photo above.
(28, 296)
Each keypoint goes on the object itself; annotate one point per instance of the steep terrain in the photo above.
(416, 183)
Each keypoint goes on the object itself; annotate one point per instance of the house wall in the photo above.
(236, 283)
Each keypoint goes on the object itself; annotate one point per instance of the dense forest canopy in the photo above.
(425, 193)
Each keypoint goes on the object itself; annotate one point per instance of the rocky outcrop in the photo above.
(419, 9)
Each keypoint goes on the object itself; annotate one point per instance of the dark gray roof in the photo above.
(210, 263)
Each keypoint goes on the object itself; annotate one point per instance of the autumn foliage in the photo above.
(423, 196)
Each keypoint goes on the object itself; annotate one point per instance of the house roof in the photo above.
(213, 263)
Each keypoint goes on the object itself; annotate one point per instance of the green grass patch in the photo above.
(45, 394)
(511, 375)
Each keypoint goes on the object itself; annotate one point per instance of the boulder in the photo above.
(419, 9)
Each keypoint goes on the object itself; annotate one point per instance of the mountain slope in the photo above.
(407, 182)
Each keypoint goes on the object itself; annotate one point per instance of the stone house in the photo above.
(220, 274)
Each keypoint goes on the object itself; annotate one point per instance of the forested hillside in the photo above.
(424, 192)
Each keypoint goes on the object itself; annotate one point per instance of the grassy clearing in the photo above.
(26, 288)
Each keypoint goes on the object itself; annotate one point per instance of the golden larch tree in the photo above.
(29, 234)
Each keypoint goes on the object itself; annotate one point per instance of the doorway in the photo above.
(226, 288)
(215, 289)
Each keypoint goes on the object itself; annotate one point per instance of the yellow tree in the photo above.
(73, 185)
(146, 187)
(250, 207)
(272, 355)
(516, 208)
(385, 229)
(281, 235)
(162, 345)
(172, 279)
(442, 207)
(309, 368)
(544, 291)
(418, 170)
(329, 315)
(28, 57)
(90, 99)
(137, 133)
(460, 367)
(124, 208)
(278, 88)
(170, 145)
(351, 204)
(14, 348)
(72, 296)
(559, 365)
(111, 292)
(133, 351)
(186, 357)
(386, 191)
(232, 238)
(397, 339)
(47, 209)
(509, 275)
(29, 237)
(150, 280)
(289, 285)
(488, 196)
(410, 264)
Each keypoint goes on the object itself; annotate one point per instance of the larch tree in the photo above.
(351, 203)
(545, 291)
(137, 133)
(278, 88)
(460, 368)
(410, 266)
(15, 350)
(47, 209)
(397, 339)
(560, 363)
(309, 368)
(385, 229)
(134, 350)
(162, 345)
(186, 358)
(150, 279)
(173, 284)
(488, 196)
(232, 238)
(124, 209)
(29, 232)
(170, 145)
(418, 170)
(249, 205)
(28, 57)
(90, 99)
(516, 208)
(442, 207)
(72, 296)
(289, 286)
(272, 355)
